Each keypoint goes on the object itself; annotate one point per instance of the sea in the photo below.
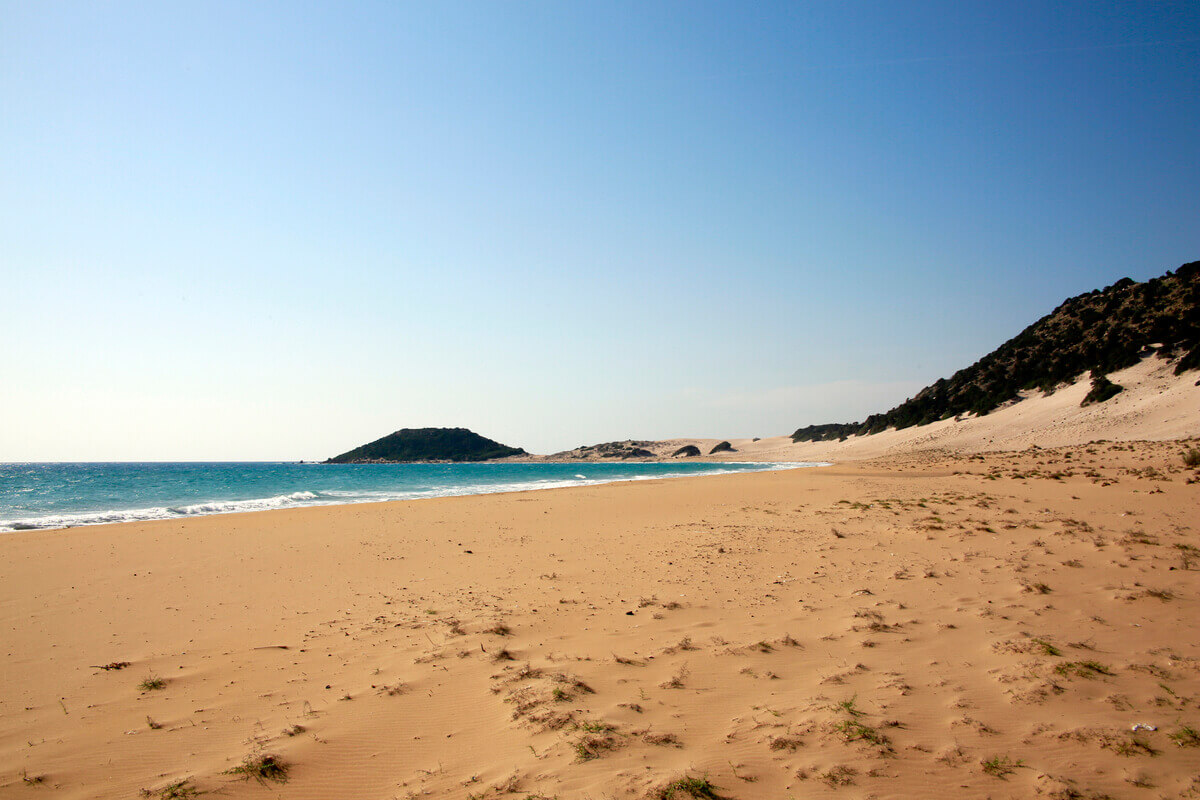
(36, 496)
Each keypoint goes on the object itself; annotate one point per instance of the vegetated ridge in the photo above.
(827, 432)
(1099, 332)
(427, 444)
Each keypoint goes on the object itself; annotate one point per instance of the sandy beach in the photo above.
(974, 625)
(600, 401)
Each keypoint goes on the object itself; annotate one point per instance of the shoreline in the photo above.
(295, 500)
(610, 639)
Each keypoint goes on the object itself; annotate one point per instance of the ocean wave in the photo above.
(353, 496)
(232, 506)
(163, 512)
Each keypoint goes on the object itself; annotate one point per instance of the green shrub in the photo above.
(1102, 390)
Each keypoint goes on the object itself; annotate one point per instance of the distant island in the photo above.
(427, 444)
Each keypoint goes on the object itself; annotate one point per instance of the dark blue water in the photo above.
(63, 495)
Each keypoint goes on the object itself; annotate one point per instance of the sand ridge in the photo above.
(982, 625)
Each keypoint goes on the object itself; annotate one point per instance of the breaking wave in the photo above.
(165, 512)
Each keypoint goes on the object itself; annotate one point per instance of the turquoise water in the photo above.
(36, 496)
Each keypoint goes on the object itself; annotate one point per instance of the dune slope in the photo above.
(1156, 405)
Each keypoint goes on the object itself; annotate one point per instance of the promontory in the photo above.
(427, 444)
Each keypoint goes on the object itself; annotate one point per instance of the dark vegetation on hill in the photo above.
(1102, 389)
(687, 451)
(1098, 332)
(428, 444)
(722, 447)
(827, 432)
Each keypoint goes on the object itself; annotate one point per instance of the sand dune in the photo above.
(1157, 405)
(969, 626)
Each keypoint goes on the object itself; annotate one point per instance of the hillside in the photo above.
(1099, 332)
(427, 444)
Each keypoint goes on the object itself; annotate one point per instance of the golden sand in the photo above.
(976, 626)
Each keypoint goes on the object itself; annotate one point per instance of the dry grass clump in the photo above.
(180, 790)
(785, 743)
(677, 680)
(1186, 736)
(849, 707)
(530, 705)
(1001, 766)
(684, 644)
(1082, 669)
(573, 683)
(595, 726)
(952, 756)
(594, 745)
(152, 683)
(841, 775)
(687, 786)
(852, 730)
(1130, 746)
(1029, 645)
(1045, 648)
(663, 739)
(262, 768)
(527, 672)
(393, 690)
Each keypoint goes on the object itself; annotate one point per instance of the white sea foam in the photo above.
(143, 514)
(232, 506)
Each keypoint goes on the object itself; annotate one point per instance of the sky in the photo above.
(276, 231)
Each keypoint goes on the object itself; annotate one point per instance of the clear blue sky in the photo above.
(278, 230)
